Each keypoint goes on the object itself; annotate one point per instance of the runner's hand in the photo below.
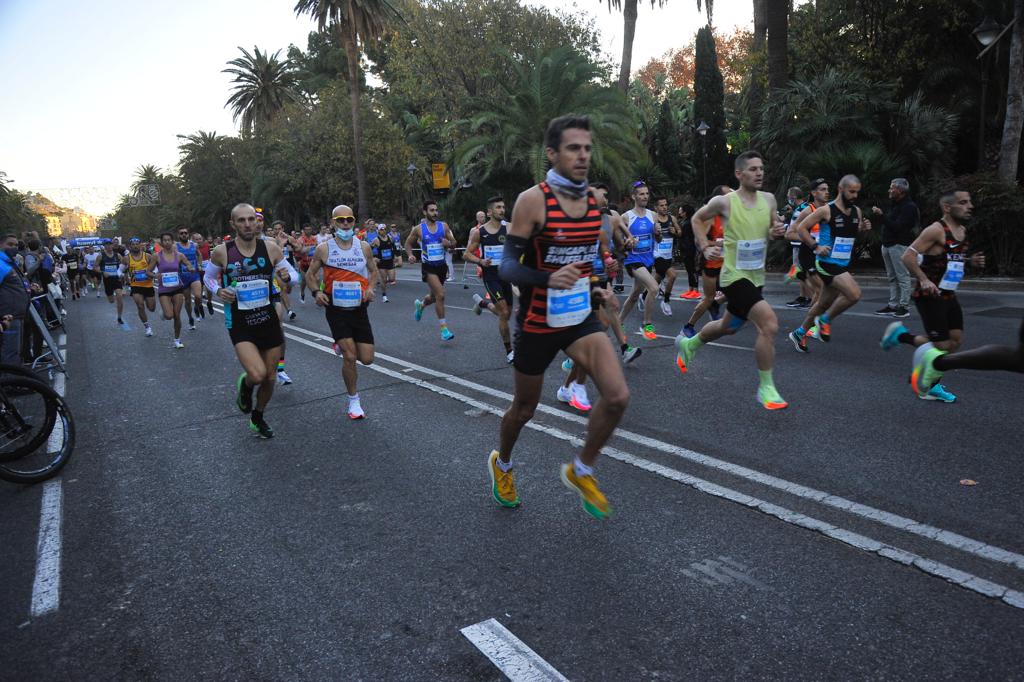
(484, 262)
(876, 210)
(928, 287)
(978, 260)
(566, 276)
(368, 295)
(865, 225)
(712, 252)
(823, 250)
(778, 231)
(412, 259)
(321, 298)
(226, 296)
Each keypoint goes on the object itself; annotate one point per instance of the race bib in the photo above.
(110, 270)
(842, 249)
(664, 250)
(954, 273)
(643, 244)
(750, 254)
(311, 251)
(347, 294)
(385, 254)
(435, 252)
(567, 307)
(141, 276)
(252, 294)
(494, 253)
(169, 280)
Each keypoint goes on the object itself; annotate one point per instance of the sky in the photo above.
(95, 89)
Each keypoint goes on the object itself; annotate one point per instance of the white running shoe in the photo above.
(384, 298)
(149, 331)
(564, 394)
(192, 327)
(355, 410)
(478, 304)
(666, 309)
(178, 344)
(510, 357)
(580, 400)
(283, 378)
(291, 314)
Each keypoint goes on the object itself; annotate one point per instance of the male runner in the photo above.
(489, 239)
(73, 262)
(203, 244)
(278, 234)
(807, 273)
(549, 251)
(108, 267)
(749, 221)
(642, 224)
(278, 294)
(664, 273)
(388, 249)
(840, 221)
(348, 282)
(612, 229)
(434, 237)
(795, 204)
(396, 239)
(710, 272)
(943, 249)
(192, 287)
(91, 256)
(307, 245)
(138, 266)
(239, 274)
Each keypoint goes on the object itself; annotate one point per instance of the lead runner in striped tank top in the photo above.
(549, 251)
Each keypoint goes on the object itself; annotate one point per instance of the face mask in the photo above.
(345, 234)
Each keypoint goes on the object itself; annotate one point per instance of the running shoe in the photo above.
(580, 399)
(791, 274)
(192, 326)
(593, 500)
(641, 302)
(938, 392)
(824, 330)
(666, 309)
(630, 354)
(243, 395)
(564, 394)
(796, 302)
(120, 322)
(478, 304)
(355, 410)
(691, 295)
(886, 311)
(97, 293)
(446, 334)
(648, 331)
(901, 312)
(418, 312)
(149, 331)
(384, 298)
(891, 335)
(503, 483)
(336, 348)
(209, 306)
(291, 315)
(283, 378)
(684, 353)
(178, 344)
(567, 365)
(924, 375)
(260, 427)
(510, 356)
(689, 331)
(812, 333)
(770, 398)
(618, 289)
(799, 341)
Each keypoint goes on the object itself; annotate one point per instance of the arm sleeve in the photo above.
(287, 267)
(211, 277)
(512, 269)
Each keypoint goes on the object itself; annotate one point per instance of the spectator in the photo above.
(688, 250)
(899, 226)
(14, 301)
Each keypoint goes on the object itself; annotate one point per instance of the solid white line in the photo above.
(963, 579)
(519, 662)
(46, 587)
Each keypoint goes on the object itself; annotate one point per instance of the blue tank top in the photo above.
(433, 247)
(641, 227)
(191, 253)
(839, 234)
(371, 237)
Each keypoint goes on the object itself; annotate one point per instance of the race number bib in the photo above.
(434, 252)
(567, 307)
(954, 273)
(664, 250)
(252, 294)
(842, 249)
(643, 244)
(110, 270)
(385, 254)
(347, 294)
(141, 276)
(750, 254)
(169, 280)
(494, 253)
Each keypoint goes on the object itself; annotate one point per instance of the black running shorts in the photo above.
(264, 336)
(829, 271)
(111, 284)
(498, 289)
(939, 314)
(145, 292)
(534, 352)
(742, 295)
(349, 323)
(661, 266)
(439, 269)
(805, 260)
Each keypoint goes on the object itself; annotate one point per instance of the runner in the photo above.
(278, 293)
(108, 267)
(931, 363)
(349, 275)
(72, 260)
(807, 273)
(749, 219)
(138, 265)
(396, 239)
(642, 224)
(710, 272)
(388, 249)
(943, 249)
(549, 251)
(489, 238)
(239, 274)
(278, 234)
(434, 237)
(840, 222)
(192, 288)
(688, 251)
(168, 266)
(605, 267)
(795, 204)
(307, 245)
(91, 256)
(664, 272)
(203, 244)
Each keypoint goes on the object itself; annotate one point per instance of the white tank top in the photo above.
(351, 259)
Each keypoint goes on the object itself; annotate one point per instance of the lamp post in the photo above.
(702, 130)
(411, 170)
(986, 33)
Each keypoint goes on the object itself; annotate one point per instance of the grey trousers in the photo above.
(899, 276)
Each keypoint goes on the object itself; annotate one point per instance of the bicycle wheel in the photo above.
(28, 412)
(19, 371)
(54, 449)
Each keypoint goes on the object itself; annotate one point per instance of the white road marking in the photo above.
(46, 587)
(963, 579)
(519, 662)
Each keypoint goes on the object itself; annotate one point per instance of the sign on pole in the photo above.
(442, 181)
(145, 195)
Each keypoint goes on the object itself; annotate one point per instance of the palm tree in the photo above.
(356, 23)
(778, 42)
(1009, 150)
(508, 137)
(146, 174)
(263, 85)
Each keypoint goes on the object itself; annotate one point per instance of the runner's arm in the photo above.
(930, 237)
(185, 261)
(471, 246)
(791, 233)
(372, 271)
(803, 233)
(527, 217)
(313, 272)
(778, 228)
(413, 238)
(699, 221)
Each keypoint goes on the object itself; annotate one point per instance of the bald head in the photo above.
(242, 208)
(849, 181)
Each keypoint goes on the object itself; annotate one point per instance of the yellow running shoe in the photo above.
(594, 501)
(503, 484)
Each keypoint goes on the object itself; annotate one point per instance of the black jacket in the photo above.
(899, 223)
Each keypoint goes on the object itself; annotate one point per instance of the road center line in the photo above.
(46, 587)
(519, 662)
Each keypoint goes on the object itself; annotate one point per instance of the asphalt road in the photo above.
(829, 540)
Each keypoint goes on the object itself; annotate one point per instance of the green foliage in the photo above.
(263, 84)
(709, 106)
(323, 62)
(211, 177)
(15, 214)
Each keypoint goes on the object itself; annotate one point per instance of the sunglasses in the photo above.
(639, 183)
(348, 219)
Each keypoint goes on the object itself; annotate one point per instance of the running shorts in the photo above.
(805, 262)
(264, 336)
(534, 352)
(742, 295)
(498, 289)
(111, 284)
(349, 323)
(829, 271)
(438, 269)
(388, 264)
(145, 292)
(173, 292)
(631, 268)
(188, 277)
(939, 314)
(661, 266)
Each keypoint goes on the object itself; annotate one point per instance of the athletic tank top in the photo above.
(641, 226)
(109, 264)
(387, 247)
(251, 277)
(432, 242)
(562, 240)
(308, 246)
(191, 254)
(168, 272)
(138, 271)
(746, 240)
(345, 274)
(663, 249)
(839, 234)
(946, 269)
(714, 234)
(492, 246)
(599, 271)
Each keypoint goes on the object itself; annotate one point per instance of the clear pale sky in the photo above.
(95, 89)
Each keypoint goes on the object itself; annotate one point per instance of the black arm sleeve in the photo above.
(512, 269)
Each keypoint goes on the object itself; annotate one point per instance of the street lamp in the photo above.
(702, 130)
(986, 33)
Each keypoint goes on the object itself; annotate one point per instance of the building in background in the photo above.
(60, 221)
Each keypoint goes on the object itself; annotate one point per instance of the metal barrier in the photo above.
(51, 357)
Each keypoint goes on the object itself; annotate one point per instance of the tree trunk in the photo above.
(1009, 150)
(755, 96)
(778, 43)
(629, 30)
(352, 53)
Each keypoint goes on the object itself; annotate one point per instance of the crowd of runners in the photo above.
(557, 255)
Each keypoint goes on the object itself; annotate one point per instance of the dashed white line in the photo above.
(46, 587)
(519, 662)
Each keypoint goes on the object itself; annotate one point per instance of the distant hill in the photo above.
(61, 221)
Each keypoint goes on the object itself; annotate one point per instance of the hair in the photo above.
(849, 179)
(687, 209)
(948, 196)
(238, 206)
(496, 199)
(660, 198)
(795, 192)
(557, 126)
(901, 184)
(278, 222)
(9, 235)
(741, 160)
(599, 185)
(166, 234)
(815, 184)
(636, 187)
(428, 202)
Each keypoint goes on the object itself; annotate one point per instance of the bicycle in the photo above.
(37, 430)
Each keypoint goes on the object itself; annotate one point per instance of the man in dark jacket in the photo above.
(899, 226)
(14, 300)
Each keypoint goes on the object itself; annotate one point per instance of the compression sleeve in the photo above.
(120, 270)
(512, 269)
(287, 267)
(211, 277)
